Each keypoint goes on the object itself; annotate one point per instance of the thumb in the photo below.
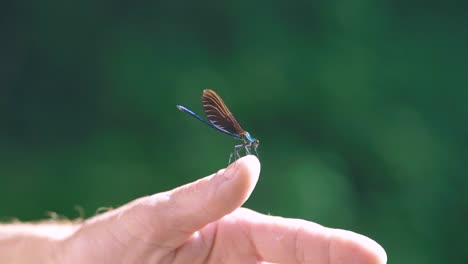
(180, 212)
(168, 219)
(154, 225)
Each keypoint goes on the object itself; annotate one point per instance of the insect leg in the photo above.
(235, 153)
(237, 150)
(247, 149)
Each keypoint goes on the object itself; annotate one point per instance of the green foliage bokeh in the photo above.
(360, 107)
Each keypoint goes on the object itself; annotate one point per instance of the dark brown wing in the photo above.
(218, 114)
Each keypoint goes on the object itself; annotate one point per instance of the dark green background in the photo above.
(360, 107)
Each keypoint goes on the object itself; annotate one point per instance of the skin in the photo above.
(201, 222)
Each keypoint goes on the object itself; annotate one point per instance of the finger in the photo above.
(171, 217)
(154, 225)
(282, 240)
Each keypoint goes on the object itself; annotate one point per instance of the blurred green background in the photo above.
(360, 107)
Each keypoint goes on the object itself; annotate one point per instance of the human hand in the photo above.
(202, 222)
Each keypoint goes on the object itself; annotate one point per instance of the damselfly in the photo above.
(220, 118)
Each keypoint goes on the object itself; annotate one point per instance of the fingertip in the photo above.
(376, 251)
(243, 176)
(248, 164)
(348, 244)
(253, 163)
